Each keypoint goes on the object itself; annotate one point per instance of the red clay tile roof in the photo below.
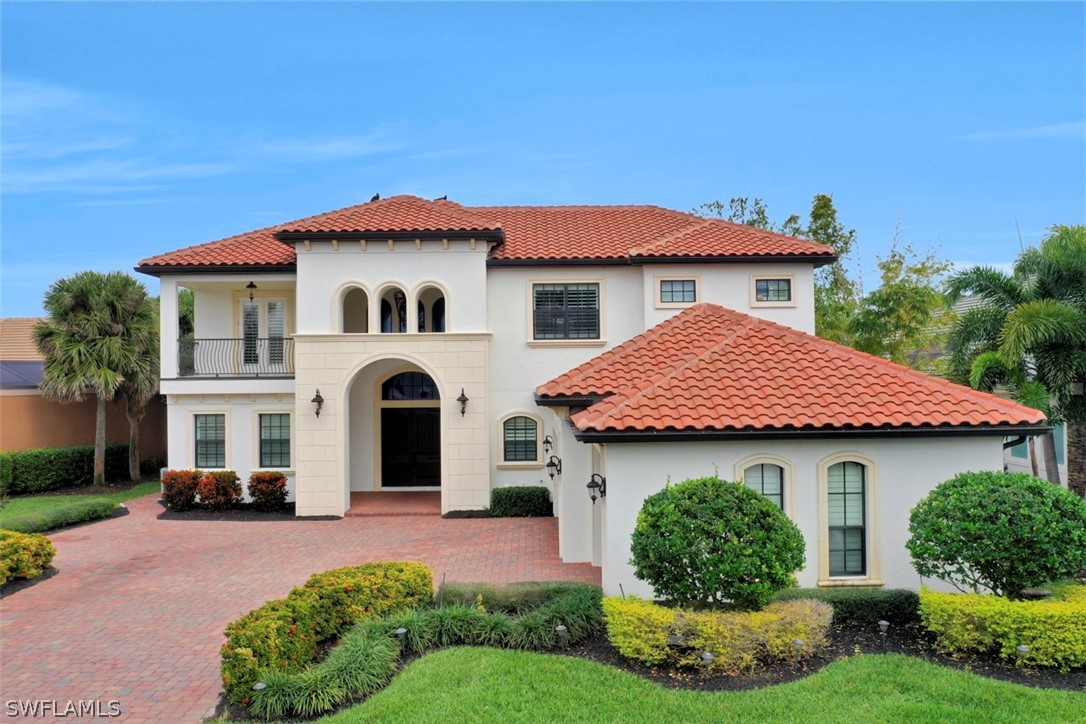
(529, 233)
(714, 369)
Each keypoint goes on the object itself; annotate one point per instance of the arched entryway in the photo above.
(409, 414)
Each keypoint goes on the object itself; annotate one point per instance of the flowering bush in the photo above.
(268, 490)
(179, 488)
(219, 489)
(24, 555)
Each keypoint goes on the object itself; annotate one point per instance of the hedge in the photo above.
(1054, 628)
(738, 640)
(78, 511)
(521, 501)
(861, 608)
(5, 474)
(367, 656)
(283, 635)
(24, 555)
(36, 471)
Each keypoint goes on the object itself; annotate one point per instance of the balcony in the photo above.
(239, 357)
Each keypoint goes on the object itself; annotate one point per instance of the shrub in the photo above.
(79, 510)
(707, 541)
(151, 467)
(1000, 531)
(521, 501)
(514, 598)
(36, 471)
(651, 634)
(219, 489)
(283, 635)
(860, 608)
(1053, 628)
(268, 490)
(179, 488)
(5, 475)
(457, 625)
(24, 555)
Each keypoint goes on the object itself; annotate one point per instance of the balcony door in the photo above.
(263, 333)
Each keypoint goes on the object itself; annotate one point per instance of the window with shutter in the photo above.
(566, 311)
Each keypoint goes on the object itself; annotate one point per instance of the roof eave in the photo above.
(158, 270)
(290, 237)
(816, 259)
(641, 436)
(569, 400)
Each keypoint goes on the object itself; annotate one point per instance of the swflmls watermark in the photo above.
(75, 708)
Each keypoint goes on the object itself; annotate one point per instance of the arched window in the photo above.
(431, 310)
(356, 311)
(520, 440)
(767, 479)
(409, 386)
(846, 490)
(393, 311)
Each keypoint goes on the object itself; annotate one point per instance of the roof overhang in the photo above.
(640, 436)
(569, 400)
(290, 237)
(816, 259)
(158, 270)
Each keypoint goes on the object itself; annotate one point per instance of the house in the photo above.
(407, 344)
(28, 420)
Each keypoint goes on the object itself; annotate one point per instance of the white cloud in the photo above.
(1074, 130)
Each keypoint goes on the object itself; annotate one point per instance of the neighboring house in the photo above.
(28, 420)
(461, 348)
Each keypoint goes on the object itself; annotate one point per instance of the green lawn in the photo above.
(478, 684)
(31, 513)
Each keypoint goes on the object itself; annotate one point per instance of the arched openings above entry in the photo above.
(393, 311)
(355, 312)
(432, 310)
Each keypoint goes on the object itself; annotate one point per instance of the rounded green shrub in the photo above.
(707, 541)
(1004, 532)
(24, 555)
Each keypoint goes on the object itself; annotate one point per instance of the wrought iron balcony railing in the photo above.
(241, 357)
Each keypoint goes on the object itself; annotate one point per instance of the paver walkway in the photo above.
(137, 610)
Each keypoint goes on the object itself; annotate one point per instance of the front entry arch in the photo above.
(409, 414)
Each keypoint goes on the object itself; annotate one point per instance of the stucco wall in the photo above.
(903, 471)
(28, 420)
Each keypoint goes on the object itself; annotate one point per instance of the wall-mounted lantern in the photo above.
(548, 445)
(463, 400)
(554, 466)
(597, 487)
(318, 401)
(252, 288)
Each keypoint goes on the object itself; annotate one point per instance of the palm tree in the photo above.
(141, 380)
(93, 342)
(1030, 334)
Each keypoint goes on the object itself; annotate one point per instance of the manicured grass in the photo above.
(40, 513)
(479, 684)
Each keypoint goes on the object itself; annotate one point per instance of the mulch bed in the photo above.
(911, 640)
(240, 512)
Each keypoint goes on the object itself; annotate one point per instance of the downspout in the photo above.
(1016, 441)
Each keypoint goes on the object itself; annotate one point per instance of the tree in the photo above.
(1029, 335)
(92, 342)
(140, 384)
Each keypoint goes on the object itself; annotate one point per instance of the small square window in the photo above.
(275, 441)
(773, 290)
(678, 291)
(210, 441)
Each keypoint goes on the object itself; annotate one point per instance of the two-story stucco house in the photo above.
(406, 344)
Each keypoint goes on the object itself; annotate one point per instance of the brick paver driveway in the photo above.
(137, 610)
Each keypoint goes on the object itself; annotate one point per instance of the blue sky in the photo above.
(133, 129)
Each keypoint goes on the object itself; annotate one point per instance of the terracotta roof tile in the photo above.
(714, 369)
(530, 233)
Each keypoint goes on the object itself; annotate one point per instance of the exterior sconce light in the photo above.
(554, 466)
(548, 445)
(463, 400)
(252, 288)
(318, 401)
(597, 487)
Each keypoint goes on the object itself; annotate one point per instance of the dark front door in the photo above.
(410, 447)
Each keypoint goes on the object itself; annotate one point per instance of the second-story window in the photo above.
(773, 290)
(678, 291)
(566, 311)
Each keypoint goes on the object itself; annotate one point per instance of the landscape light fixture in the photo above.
(318, 401)
(463, 400)
(252, 288)
(597, 487)
(554, 466)
(883, 626)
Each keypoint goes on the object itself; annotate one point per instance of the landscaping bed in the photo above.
(239, 511)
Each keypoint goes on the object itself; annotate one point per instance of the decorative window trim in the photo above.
(529, 295)
(657, 290)
(520, 464)
(257, 412)
(755, 278)
(789, 475)
(873, 577)
(190, 437)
